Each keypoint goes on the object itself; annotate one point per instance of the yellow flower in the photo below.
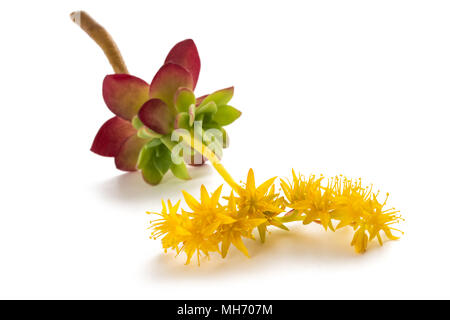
(204, 220)
(360, 240)
(198, 241)
(257, 200)
(170, 226)
(375, 219)
(310, 199)
(343, 200)
(242, 227)
(208, 214)
(359, 207)
(261, 203)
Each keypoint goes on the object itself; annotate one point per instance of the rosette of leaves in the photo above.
(140, 134)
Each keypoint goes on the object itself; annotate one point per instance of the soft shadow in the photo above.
(308, 246)
(130, 187)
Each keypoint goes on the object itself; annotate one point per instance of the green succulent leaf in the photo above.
(151, 174)
(184, 97)
(226, 115)
(146, 133)
(226, 138)
(209, 108)
(154, 143)
(147, 163)
(182, 121)
(180, 171)
(162, 159)
(145, 156)
(220, 97)
(137, 123)
(191, 114)
(200, 118)
(210, 124)
(219, 136)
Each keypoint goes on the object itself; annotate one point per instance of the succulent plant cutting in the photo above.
(140, 135)
(163, 126)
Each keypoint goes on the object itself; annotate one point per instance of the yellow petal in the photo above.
(204, 196)
(164, 209)
(216, 196)
(174, 209)
(237, 242)
(225, 219)
(256, 222)
(225, 246)
(232, 201)
(294, 178)
(266, 185)
(262, 232)
(250, 180)
(278, 224)
(190, 201)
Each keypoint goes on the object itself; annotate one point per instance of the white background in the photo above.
(353, 87)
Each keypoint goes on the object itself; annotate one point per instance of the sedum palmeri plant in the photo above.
(141, 137)
(140, 134)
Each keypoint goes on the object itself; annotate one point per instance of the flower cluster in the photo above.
(212, 226)
(340, 202)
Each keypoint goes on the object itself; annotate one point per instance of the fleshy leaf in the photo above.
(137, 124)
(127, 157)
(220, 97)
(226, 115)
(199, 100)
(125, 94)
(225, 138)
(151, 175)
(182, 121)
(185, 54)
(146, 133)
(191, 112)
(156, 115)
(168, 80)
(111, 136)
(148, 170)
(209, 107)
(184, 97)
(154, 143)
(145, 155)
(220, 135)
(180, 171)
(162, 159)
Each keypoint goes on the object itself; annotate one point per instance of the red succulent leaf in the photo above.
(127, 157)
(167, 81)
(156, 115)
(125, 94)
(111, 136)
(185, 54)
(200, 100)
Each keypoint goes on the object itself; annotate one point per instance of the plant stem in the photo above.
(102, 38)
(215, 161)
